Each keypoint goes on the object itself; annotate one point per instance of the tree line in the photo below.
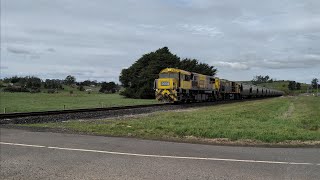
(34, 84)
(293, 85)
(261, 79)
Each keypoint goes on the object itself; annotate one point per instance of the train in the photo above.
(177, 85)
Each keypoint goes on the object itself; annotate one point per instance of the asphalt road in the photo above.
(45, 155)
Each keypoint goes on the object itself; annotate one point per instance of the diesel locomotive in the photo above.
(176, 85)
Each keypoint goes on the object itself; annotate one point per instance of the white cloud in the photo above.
(201, 29)
(233, 65)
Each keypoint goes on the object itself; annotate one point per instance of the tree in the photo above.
(298, 86)
(70, 80)
(193, 65)
(32, 82)
(53, 84)
(138, 79)
(314, 83)
(108, 87)
(261, 79)
(81, 88)
(292, 85)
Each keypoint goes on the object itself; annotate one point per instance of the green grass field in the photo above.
(270, 120)
(26, 102)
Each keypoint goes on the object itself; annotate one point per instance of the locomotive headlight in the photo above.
(165, 83)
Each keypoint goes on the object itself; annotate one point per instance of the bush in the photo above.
(81, 88)
(51, 91)
(15, 89)
(35, 90)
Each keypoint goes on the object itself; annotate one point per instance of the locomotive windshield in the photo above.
(169, 75)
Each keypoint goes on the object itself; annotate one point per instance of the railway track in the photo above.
(72, 114)
(96, 113)
(57, 112)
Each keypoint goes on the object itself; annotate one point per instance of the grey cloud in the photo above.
(51, 50)
(15, 50)
(4, 67)
(93, 35)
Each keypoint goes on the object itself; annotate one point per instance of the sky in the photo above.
(96, 39)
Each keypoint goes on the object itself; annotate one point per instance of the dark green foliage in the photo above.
(138, 79)
(193, 65)
(314, 83)
(81, 88)
(22, 84)
(51, 91)
(15, 89)
(2, 84)
(108, 87)
(88, 83)
(70, 80)
(53, 84)
(292, 85)
(35, 90)
(261, 79)
(32, 82)
(298, 86)
(13, 79)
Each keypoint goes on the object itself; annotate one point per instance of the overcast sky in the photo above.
(95, 39)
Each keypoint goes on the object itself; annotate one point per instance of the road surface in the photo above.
(45, 155)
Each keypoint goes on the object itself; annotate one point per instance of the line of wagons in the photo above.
(176, 85)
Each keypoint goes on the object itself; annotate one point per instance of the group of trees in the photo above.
(108, 87)
(70, 80)
(294, 85)
(53, 84)
(87, 83)
(23, 84)
(261, 79)
(138, 79)
(33, 84)
(27, 82)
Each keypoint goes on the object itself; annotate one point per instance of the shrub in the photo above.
(35, 90)
(81, 88)
(51, 91)
(15, 89)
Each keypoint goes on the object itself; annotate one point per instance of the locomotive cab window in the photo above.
(169, 75)
(212, 80)
(187, 78)
(195, 78)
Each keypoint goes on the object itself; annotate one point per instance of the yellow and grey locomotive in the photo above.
(176, 85)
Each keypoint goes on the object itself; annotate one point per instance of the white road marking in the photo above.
(160, 156)
(27, 145)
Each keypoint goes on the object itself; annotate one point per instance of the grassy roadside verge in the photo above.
(268, 121)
